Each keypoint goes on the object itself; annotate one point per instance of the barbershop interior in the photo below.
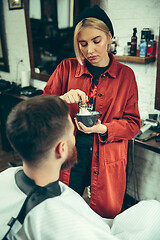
(35, 36)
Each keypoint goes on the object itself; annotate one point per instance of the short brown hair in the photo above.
(88, 22)
(34, 125)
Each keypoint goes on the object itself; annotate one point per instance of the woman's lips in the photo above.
(92, 57)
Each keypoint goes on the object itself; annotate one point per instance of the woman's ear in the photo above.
(109, 37)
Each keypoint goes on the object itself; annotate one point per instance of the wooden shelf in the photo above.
(150, 144)
(134, 59)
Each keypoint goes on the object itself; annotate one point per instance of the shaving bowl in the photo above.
(89, 119)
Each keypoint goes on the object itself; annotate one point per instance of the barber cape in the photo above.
(67, 217)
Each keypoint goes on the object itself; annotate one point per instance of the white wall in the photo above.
(16, 42)
(125, 15)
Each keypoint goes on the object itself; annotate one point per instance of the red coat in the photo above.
(117, 101)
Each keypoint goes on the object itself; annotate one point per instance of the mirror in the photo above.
(50, 37)
(157, 99)
(3, 46)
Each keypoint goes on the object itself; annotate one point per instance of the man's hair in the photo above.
(88, 22)
(34, 126)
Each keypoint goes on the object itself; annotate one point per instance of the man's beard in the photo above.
(71, 159)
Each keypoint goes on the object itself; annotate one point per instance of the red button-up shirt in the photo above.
(117, 101)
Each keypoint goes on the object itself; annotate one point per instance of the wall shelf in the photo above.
(134, 59)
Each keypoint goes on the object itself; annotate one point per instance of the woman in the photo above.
(110, 88)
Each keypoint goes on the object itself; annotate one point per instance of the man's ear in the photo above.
(60, 149)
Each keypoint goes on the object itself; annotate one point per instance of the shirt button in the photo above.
(97, 154)
(100, 94)
(103, 76)
(95, 172)
(91, 150)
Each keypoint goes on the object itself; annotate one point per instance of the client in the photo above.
(41, 131)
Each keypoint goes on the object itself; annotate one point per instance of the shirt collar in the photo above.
(112, 70)
(81, 69)
(26, 185)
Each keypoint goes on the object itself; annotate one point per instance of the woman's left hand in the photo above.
(97, 128)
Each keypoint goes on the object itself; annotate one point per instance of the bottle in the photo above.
(138, 50)
(114, 46)
(134, 43)
(125, 51)
(129, 48)
(151, 47)
(145, 36)
(143, 48)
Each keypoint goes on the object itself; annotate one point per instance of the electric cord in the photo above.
(20, 61)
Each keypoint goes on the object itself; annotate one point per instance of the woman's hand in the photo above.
(74, 95)
(97, 128)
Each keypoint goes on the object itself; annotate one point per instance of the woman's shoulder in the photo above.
(125, 71)
(117, 67)
(69, 62)
(124, 67)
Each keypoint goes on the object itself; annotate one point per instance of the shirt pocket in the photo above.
(114, 152)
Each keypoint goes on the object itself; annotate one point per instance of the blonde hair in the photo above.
(88, 22)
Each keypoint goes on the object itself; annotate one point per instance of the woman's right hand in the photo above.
(74, 95)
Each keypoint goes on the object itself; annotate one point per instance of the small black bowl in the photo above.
(88, 120)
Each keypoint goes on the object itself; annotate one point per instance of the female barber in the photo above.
(110, 88)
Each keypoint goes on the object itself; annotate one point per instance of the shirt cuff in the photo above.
(104, 136)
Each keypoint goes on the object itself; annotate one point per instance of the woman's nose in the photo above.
(90, 48)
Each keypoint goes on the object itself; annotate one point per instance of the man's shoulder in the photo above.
(8, 184)
(66, 203)
(66, 216)
(9, 172)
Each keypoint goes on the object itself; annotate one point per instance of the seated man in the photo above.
(41, 131)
